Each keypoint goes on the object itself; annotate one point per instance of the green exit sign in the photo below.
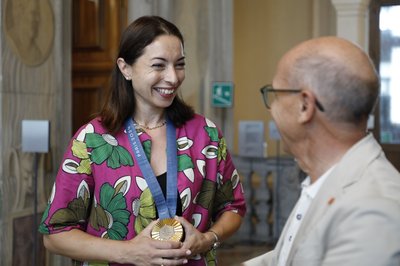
(222, 94)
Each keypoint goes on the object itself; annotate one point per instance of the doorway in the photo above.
(96, 29)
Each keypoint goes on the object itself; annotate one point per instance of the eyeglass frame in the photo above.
(268, 88)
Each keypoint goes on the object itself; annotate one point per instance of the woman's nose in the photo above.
(171, 75)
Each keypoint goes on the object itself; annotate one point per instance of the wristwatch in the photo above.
(216, 244)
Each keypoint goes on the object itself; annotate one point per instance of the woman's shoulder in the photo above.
(93, 126)
(200, 120)
(200, 126)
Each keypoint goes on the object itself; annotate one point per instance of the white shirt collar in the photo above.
(312, 189)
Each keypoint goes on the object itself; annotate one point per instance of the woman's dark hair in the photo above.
(120, 101)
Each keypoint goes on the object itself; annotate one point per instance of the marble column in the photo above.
(352, 20)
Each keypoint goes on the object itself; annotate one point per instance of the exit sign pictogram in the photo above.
(222, 94)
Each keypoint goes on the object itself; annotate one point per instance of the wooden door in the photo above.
(96, 30)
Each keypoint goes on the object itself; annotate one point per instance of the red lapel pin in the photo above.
(331, 200)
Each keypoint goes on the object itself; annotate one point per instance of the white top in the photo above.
(308, 193)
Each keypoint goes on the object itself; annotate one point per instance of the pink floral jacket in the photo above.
(100, 188)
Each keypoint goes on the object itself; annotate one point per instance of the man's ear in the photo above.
(307, 106)
(124, 68)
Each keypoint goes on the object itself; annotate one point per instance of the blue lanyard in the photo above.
(166, 207)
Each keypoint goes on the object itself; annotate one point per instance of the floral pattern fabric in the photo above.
(100, 188)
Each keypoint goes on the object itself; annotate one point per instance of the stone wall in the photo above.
(35, 85)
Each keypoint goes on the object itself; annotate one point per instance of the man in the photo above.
(349, 210)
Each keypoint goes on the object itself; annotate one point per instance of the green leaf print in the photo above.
(98, 218)
(212, 133)
(79, 149)
(141, 223)
(94, 140)
(102, 153)
(43, 228)
(184, 162)
(96, 264)
(117, 202)
(222, 149)
(211, 258)
(113, 160)
(147, 149)
(84, 167)
(122, 216)
(124, 156)
(74, 213)
(105, 147)
(111, 213)
(206, 196)
(106, 194)
(118, 231)
(223, 195)
(147, 211)
(147, 205)
(112, 202)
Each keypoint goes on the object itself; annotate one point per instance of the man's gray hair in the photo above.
(346, 95)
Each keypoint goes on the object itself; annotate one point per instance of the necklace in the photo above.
(150, 128)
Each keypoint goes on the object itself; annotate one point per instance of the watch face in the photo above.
(216, 245)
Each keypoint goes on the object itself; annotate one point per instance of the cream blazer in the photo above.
(354, 218)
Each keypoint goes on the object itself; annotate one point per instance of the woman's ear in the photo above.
(124, 68)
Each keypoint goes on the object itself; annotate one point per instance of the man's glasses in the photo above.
(270, 94)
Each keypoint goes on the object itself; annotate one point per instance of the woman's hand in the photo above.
(195, 241)
(144, 251)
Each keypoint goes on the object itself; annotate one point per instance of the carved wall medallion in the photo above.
(29, 28)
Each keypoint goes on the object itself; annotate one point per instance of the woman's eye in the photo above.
(181, 65)
(158, 66)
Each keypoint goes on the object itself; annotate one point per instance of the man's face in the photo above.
(284, 108)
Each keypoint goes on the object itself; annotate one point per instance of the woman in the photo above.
(106, 205)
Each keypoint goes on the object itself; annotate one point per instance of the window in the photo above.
(389, 69)
(384, 47)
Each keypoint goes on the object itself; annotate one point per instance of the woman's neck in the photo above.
(149, 120)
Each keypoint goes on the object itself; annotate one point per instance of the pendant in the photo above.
(167, 229)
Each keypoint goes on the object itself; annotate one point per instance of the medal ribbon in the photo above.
(166, 207)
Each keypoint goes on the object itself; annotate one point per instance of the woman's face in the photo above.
(157, 74)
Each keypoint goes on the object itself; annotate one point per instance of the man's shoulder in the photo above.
(382, 178)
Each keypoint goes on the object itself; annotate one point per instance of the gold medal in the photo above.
(167, 229)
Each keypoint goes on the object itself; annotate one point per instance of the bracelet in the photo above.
(215, 235)
(216, 243)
